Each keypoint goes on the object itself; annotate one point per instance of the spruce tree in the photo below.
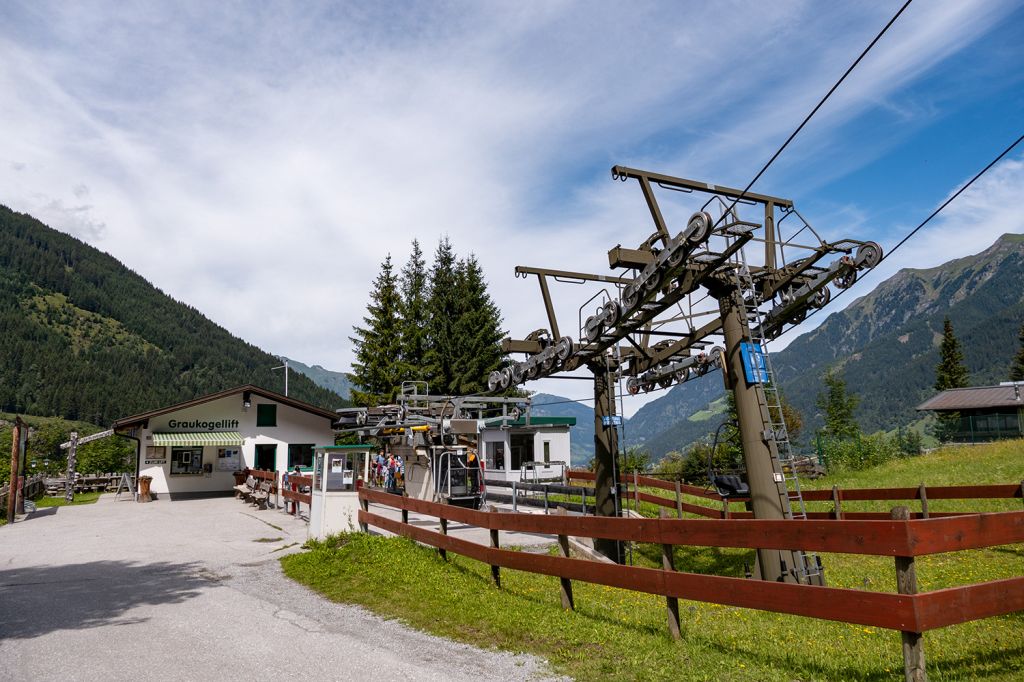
(376, 370)
(413, 284)
(478, 330)
(949, 373)
(442, 312)
(838, 407)
(1017, 368)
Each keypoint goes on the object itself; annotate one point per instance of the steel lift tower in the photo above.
(681, 305)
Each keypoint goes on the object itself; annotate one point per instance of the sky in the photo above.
(258, 161)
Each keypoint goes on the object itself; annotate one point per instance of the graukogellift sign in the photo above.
(203, 424)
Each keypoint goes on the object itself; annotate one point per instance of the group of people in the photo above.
(388, 472)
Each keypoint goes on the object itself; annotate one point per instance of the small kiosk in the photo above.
(338, 472)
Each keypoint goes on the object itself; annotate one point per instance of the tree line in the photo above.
(437, 325)
(86, 338)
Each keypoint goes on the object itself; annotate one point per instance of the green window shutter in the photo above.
(266, 415)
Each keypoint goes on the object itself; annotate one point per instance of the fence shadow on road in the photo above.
(36, 600)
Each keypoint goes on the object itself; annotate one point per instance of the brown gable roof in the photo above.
(979, 397)
(256, 390)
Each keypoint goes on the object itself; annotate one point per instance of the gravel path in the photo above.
(192, 590)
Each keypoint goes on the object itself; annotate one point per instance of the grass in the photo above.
(616, 634)
(80, 498)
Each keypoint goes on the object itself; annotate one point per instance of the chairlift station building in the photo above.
(193, 448)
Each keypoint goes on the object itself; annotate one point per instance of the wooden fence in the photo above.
(633, 485)
(34, 487)
(909, 612)
(293, 492)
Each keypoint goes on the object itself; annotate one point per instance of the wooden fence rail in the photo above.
(836, 495)
(901, 538)
(34, 487)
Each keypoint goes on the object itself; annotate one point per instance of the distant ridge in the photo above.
(86, 338)
(884, 344)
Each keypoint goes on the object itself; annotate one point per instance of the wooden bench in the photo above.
(244, 490)
(261, 496)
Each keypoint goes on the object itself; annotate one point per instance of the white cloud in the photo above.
(258, 163)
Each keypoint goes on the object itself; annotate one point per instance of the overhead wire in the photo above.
(920, 225)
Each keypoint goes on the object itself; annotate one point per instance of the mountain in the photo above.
(338, 382)
(86, 338)
(885, 345)
(582, 435)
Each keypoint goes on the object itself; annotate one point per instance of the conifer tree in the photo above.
(442, 311)
(949, 373)
(838, 407)
(413, 282)
(1017, 368)
(478, 330)
(376, 370)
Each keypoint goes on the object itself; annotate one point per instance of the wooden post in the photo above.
(906, 583)
(837, 504)
(679, 500)
(568, 603)
(725, 507)
(364, 504)
(12, 486)
(277, 490)
(495, 570)
(444, 531)
(922, 492)
(636, 492)
(69, 485)
(668, 563)
(405, 516)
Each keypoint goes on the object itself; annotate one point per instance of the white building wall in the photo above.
(556, 436)
(293, 426)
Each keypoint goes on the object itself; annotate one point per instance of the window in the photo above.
(266, 415)
(547, 452)
(186, 461)
(300, 455)
(496, 455)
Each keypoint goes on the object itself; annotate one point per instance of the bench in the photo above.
(261, 496)
(244, 490)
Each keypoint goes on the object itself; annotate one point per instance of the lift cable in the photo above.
(809, 116)
(920, 225)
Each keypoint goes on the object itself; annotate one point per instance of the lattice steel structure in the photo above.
(688, 303)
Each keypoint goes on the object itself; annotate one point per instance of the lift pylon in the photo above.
(690, 303)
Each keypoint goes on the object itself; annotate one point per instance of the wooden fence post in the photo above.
(636, 492)
(668, 563)
(837, 504)
(364, 504)
(922, 492)
(679, 500)
(405, 515)
(495, 570)
(12, 487)
(69, 485)
(444, 531)
(563, 546)
(906, 583)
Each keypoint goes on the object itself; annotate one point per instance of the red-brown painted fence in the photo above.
(913, 613)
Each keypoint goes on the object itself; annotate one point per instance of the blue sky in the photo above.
(259, 160)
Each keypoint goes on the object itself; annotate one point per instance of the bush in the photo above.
(692, 466)
(859, 453)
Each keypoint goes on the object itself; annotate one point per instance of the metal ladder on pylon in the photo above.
(808, 567)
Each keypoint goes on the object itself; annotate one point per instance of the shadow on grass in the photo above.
(36, 600)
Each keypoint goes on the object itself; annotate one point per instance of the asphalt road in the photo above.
(192, 590)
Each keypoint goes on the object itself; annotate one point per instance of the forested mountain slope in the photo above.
(86, 338)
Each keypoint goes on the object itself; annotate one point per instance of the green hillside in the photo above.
(86, 338)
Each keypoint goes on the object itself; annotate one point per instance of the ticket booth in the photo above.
(338, 471)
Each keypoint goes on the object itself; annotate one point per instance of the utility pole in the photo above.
(285, 368)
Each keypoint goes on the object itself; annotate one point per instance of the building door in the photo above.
(266, 457)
